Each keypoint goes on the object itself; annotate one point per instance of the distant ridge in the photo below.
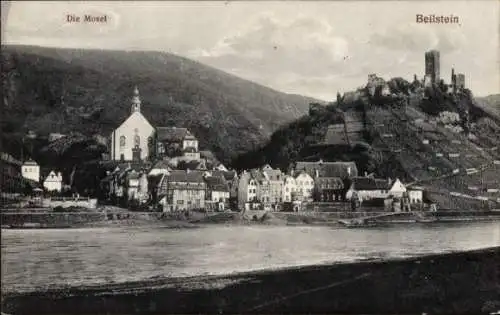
(88, 91)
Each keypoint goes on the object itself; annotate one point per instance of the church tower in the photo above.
(136, 101)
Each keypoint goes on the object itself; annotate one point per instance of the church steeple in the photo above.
(136, 101)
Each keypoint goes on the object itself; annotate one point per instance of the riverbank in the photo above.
(456, 283)
(80, 219)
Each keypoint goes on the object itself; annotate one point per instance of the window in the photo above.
(137, 140)
(150, 142)
(180, 202)
(122, 141)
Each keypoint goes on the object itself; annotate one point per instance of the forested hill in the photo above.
(417, 134)
(88, 91)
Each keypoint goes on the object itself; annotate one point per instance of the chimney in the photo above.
(389, 182)
(316, 173)
(292, 172)
(349, 171)
(188, 171)
(366, 174)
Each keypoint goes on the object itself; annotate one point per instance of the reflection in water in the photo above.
(39, 258)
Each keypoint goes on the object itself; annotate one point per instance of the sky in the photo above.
(313, 48)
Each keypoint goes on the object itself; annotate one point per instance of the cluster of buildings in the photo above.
(50, 180)
(162, 168)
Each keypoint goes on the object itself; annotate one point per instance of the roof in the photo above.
(328, 169)
(6, 157)
(273, 174)
(368, 183)
(331, 182)
(172, 134)
(229, 175)
(185, 176)
(217, 183)
(161, 164)
(30, 162)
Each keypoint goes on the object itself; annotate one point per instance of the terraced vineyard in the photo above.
(458, 172)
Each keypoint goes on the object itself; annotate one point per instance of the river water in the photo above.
(52, 257)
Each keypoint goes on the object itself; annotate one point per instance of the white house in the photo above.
(133, 139)
(369, 188)
(289, 188)
(305, 186)
(31, 170)
(415, 196)
(53, 182)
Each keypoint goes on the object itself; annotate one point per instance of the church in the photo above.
(137, 140)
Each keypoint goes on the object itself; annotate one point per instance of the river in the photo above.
(36, 259)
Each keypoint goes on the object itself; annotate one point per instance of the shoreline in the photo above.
(457, 282)
(69, 220)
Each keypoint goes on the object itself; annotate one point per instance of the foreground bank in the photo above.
(458, 283)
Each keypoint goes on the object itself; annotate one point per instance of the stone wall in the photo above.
(70, 202)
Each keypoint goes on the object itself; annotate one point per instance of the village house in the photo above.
(173, 141)
(217, 194)
(330, 178)
(53, 181)
(247, 190)
(289, 189)
(182, 190)
(366, 188)
(275, 179)
(304, 186)
(137, 186)
(31, 170)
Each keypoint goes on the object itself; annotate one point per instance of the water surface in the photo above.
(56, 257)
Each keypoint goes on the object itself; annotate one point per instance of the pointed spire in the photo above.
(136, 101)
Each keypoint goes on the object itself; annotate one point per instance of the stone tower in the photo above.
(136, 101)
(432, 65)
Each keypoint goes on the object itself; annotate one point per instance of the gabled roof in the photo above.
(185, 176)
(328, 169)
(229, 175)
(172, 134)
(368, 183)
(216, 183)
(30, 162)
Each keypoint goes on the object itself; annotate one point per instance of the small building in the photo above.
(305, 186)
(183, 190)
(217, 193)
(415, 196)
(367, 188)
(289, 188)
(31, 170)
(53, 181)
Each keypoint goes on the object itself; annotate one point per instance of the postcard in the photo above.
(250, 157)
